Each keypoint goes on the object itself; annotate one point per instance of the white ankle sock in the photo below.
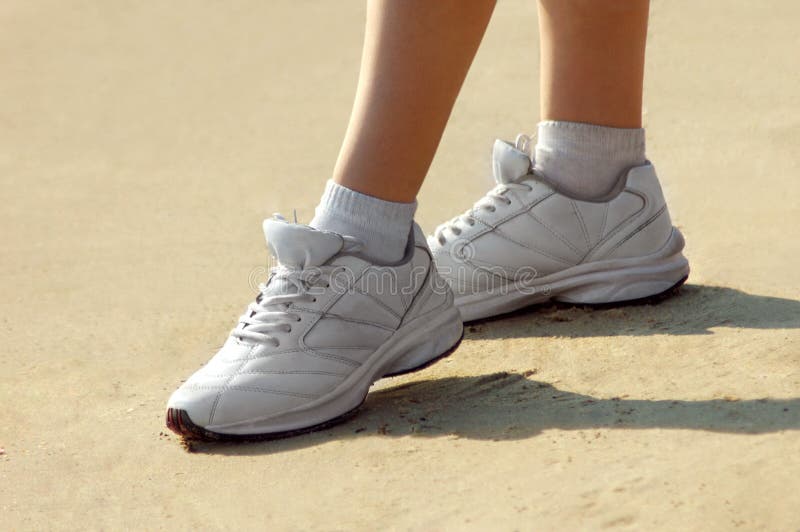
(382, 225)
(585, 161)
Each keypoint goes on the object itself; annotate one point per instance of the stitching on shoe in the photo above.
(420, 301)
(517, 212)
(465, 287)
(301, 339)
(504, 235)
(257, 389)
(415, 299)
(605, 221)
(419, 288)
(556, 234)
(354, 320)
(361, 347)
(379, 302)
(620, 226)
(353, 363)
(253, 357)
(288, 372)
(582, 223)
(222, 390)
(404, 302)
(435, 309)
(309, 352)
(639, 229)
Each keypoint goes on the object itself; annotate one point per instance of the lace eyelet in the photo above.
(289, 329)
(313, 299)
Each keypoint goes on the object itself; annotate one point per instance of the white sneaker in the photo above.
(327, 324)
(525, 243)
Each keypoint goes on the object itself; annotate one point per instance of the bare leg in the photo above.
(592, 65)
(416, 56)
(592, 61)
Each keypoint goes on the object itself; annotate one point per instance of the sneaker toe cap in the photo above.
(215, 407)
(242, 408)
(198, 403)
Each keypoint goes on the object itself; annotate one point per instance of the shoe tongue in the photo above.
(508, 162)
(300, 246)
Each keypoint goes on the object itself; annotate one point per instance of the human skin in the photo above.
(415, 58)
(592, 61)
(417, 53)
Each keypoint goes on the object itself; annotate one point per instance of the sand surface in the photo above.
(141, 144)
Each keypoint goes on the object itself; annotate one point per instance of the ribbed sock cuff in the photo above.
(586, 161)
(383, 225)
(592, 142)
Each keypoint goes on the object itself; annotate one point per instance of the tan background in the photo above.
(141, 143)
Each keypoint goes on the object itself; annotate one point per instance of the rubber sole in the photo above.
(647, 300)
(612, 281)
(179, 422)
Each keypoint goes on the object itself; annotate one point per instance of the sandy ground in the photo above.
(141, 144)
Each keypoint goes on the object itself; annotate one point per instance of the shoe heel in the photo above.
(437, 342)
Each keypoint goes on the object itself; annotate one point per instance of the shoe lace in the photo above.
(496, 197)
(271, 312)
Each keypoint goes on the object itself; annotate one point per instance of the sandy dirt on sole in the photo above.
(142, 143)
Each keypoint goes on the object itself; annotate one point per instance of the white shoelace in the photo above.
(490, 201)
(271, 311)
(494, 198)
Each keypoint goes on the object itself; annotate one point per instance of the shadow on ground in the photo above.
(511, 406)
(695, 309)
